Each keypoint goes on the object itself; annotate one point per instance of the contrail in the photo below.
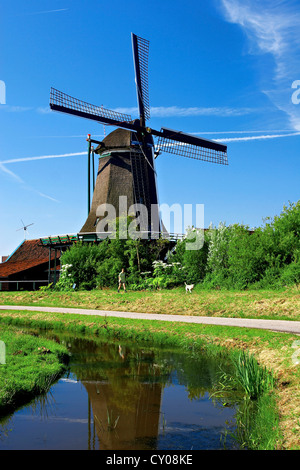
(67, 136)
(10, 173)
(46, 11)
(193, 133)
(25, 185)
(43, 157)
(230, 139)
(241, 132)
(29, 159)
(256, 137)
(44, 195)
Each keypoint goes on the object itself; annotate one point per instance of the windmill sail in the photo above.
(62, 102)
(140, 48)
(187, 145)
(126, 155)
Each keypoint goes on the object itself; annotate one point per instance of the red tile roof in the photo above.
(28, 255)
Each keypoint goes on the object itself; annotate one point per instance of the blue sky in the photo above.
(222, 69)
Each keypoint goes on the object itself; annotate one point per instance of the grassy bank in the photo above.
(267, 304)
(275, 351)
(29, 367)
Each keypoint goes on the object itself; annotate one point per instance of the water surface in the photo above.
(125, 397)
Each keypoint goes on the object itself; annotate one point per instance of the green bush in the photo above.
(193, 261)
(290, 274)
(92, 266)
(265, 257)
(163, 276)
(232, 257)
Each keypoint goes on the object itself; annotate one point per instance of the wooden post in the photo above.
(89, 172)
(93, 163)
(54, 282)
(49, 266)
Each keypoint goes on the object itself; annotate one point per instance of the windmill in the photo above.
(25, 227)
(127, 155)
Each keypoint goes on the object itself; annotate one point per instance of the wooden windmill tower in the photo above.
(127, 155)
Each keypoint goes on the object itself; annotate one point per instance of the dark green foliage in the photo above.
(193, 261)
(268, 256)
(81, 262)
(92, 266)
(231, 257)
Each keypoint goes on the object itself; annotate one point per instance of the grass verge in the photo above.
(29, 366)
(281, 304)
(277, 423)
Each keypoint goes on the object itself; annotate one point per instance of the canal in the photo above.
(124, 396)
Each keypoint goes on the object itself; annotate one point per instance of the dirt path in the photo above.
(274, 325)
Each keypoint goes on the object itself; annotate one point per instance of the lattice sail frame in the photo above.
(192, 151)
(67, 102)
(141, 65)
(171, 141)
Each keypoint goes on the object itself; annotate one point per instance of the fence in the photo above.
(18, 283)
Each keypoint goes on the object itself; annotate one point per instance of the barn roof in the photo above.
(28, 255)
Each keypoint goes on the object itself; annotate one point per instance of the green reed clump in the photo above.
(252, 377)
(257, 418)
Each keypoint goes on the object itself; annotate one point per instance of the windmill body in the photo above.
(127, 155)
(124, 171)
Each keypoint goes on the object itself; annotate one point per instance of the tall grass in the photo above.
(257, 417)
(252, 377)
(32, 365)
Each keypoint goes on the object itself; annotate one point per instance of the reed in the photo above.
(252, 377)
(111, 422)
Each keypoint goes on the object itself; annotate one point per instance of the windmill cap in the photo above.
(120, 138)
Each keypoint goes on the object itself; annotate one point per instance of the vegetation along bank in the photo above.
(239, 273)
(270, 359)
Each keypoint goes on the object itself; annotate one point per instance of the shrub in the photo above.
(231, 257)
(66, 280)
(290, 274)
(193, 261)
(163, 275)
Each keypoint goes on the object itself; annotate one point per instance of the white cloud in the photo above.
(199, 111)
(15, 109)
(272, 27)
(44, 109)
(177, 111)
(156, 111)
